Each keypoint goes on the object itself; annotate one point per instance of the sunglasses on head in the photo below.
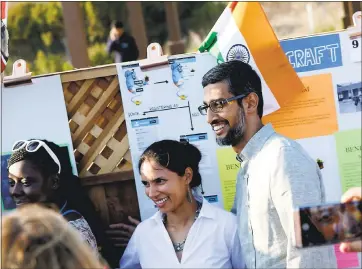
(35, 145)
(217, 106)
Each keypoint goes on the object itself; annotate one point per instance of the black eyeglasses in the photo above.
(216, 106)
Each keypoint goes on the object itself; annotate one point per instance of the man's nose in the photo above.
(210, 116)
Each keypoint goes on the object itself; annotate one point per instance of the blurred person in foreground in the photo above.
(353, 194)
(39, 171)
(34, 237)
(276, 174)
(121, 44)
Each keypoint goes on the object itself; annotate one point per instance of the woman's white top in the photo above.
(212, 242)
(83, 228)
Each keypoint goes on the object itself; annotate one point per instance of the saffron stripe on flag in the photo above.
(3, 9)
(268, 55)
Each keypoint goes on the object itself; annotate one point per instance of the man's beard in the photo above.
(235, 134)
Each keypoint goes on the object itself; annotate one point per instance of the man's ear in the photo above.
(250, 103)
(188, 175)
(54, 182)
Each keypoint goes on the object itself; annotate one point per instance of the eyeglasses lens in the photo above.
(18, 145)
(32, 146)
(216, 106)
(203, 110)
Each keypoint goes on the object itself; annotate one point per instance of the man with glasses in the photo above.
(276, 174)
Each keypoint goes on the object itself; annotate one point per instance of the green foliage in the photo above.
(35, 26)
(95, 30)
(50, 63)
(204, 18)
(98, 55)
(36, 29)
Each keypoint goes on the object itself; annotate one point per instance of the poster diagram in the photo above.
(162, 103)
(183, 71)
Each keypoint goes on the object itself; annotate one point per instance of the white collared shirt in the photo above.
(276, 176)
(212, 242)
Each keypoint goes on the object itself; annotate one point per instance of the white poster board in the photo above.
(161, 103)
(35, 110)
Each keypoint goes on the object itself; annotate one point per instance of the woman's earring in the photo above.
(189, 195)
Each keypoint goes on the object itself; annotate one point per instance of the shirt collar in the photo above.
(256, 143)
(207, 211)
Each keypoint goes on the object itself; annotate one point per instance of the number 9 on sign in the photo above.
(355, 44)
(355, 49)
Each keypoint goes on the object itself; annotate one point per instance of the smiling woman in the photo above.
(188, 230)
(40, 172)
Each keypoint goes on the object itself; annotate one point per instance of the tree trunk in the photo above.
(75, 34)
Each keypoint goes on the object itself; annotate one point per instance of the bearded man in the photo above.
(276, 175)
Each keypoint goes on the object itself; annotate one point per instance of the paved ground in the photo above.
(349, 107)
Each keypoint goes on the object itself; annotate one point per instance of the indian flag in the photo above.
(4, 11)
(243, 32)
(4, 36)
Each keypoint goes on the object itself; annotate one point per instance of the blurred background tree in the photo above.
(37, 32)
(36, 29)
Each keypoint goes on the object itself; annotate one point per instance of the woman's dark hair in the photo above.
(176, 157)
(70, 190)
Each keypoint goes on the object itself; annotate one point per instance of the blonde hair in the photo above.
(37, 238)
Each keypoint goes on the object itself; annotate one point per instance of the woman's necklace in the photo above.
(180, 246)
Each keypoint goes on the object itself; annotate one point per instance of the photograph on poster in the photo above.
(63, 155)
(6, 200)
(350, 97)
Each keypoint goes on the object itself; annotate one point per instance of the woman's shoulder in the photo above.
(221, 214)
(149, 223)
(72, 216)
(82, 226)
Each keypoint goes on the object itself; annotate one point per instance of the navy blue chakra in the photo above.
(238, 52)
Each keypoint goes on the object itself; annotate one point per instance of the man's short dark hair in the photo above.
(118, 24)
(241, 79)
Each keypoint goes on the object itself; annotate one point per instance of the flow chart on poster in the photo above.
(162, 103)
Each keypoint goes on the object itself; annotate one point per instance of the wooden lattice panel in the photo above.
(96, 121)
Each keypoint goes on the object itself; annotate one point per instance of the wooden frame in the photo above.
(99, 134)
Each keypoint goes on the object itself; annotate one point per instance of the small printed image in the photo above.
(137, 100)
(350, 97)
(177, 73)
(133, 83)
(130, 76)
(6, 199)
(331, 224)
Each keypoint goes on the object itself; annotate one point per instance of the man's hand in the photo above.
(121, 233)
(353, 194)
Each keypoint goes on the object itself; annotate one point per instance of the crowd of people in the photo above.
(62, 229)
